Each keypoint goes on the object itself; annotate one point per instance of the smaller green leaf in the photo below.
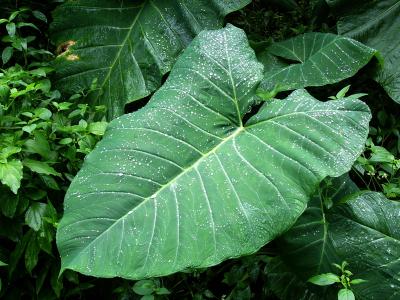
(97, 128)
(348, 273)
(43, 113)
(345, 294)
(144, 287)
(16, 13)
(380, 155)
(4, 93)
(11, 29)
(32, 254)
(7, 54)
(18, 251)
(40, 167)
(39, 72)
(11, 174)
(3, 264)
(34, 215)
(39, 15)
(358, 281)
(29, 128)
(36, 194)
(324, 279)
(50, 182)
(147, 297)
(24, 24)
(8, 151)
(65, 141)
(342, 93)
(162, 291)
(39, 145)
(62, 105)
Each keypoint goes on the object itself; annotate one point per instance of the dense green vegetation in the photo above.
(217, 154)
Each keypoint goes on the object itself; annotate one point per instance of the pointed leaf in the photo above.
(128, 46)
(34, 215)
(7, 54)
(40, 167)
(11, 174)
(376, 24)
(314, 59)
(345, 294)
(324, 279)
(361, 229)
(184, 183)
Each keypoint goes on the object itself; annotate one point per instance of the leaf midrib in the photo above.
(186, 170)
(172, 181)
(122, 45)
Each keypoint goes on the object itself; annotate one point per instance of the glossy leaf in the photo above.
(376, 24)
(313, 59)
(127, 46)
(324, 279)
(180, 183)
(361, 228)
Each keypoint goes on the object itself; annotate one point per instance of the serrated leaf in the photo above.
(361, 229)
(180, 183)
(314, 59)
(128, 46)
(11, 174)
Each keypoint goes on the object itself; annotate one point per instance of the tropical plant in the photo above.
(226, 176)
(181, 159)
(145, 35)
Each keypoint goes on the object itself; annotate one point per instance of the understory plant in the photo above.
(159, 144)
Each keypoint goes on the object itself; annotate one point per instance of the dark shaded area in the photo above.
(140, 103)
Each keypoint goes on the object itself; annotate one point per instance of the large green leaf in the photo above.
(312, 59)
(377, 24)
(184, 183)
(127, 45)
(361, 228)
